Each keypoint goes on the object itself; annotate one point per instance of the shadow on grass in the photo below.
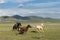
(34, 31)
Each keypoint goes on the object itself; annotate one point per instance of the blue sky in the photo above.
(44, 8)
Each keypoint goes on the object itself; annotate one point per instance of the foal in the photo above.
(24, 29)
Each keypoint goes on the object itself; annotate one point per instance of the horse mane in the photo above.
(24, 29)
(28, 26)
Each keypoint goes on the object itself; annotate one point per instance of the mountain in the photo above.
(5, 16)
(20, 17)
(16, 17)
(28, 18)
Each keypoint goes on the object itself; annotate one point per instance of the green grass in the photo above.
(51, 32)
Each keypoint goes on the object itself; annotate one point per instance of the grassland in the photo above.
(51, 32)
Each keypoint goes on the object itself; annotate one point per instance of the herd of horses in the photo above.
(22, 30)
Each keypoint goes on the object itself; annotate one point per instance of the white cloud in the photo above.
(46, 4)
(23, 0)
(20, 6)
(2, 1)
(18, 1)
(25, 11)
(4, 12)
(22, 12)
(28, 12)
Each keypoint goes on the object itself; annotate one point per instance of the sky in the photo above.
(43, 8)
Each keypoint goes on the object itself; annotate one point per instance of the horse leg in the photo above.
(21, 32)
(38, 29)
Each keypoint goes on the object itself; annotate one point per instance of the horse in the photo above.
(16, 26)
(39, 27)
(24, 29)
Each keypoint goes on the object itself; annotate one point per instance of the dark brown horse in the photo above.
(16, 26)
(24, 29)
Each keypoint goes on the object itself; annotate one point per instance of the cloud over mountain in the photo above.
(50, 8)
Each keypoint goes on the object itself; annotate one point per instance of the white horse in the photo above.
(39, 27)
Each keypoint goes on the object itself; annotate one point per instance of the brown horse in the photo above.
(24, 29)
